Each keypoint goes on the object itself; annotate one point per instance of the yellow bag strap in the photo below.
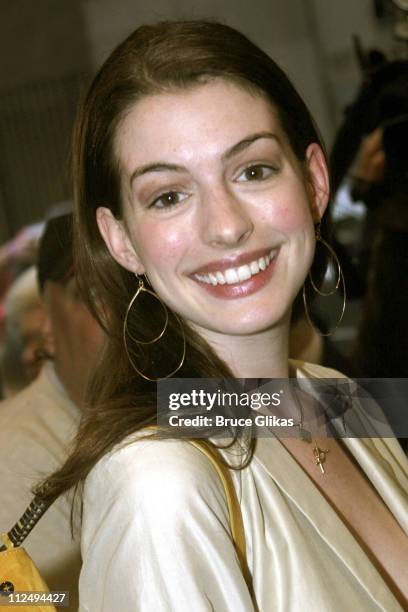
(234, 509)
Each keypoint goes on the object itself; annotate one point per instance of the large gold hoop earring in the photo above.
(335, 258)
(340, 280)
(126, 333)
(133, 300)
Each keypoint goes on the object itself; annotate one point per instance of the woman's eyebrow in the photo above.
(234, 150)
(155, 167)
(246, 142)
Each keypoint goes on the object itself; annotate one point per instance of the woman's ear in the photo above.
(117, 241)
(318, 180)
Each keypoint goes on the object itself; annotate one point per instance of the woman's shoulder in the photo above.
(151, 486)
(143, 465)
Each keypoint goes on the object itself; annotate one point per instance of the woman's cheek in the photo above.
(161, 245)
(288, 209)
(289, 217)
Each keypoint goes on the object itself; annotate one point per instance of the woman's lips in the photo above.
(240, 280)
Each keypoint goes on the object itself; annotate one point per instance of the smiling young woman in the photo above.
(216, 207)
(200, 179)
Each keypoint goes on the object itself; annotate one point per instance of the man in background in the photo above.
(23, 325)
(38, 424)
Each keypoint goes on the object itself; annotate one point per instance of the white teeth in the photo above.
(253, 266)
(244, 273)
(231, 276)
(237, 275)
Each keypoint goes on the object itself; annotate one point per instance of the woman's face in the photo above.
(217, 210)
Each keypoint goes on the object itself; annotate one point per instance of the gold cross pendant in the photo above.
(320, 457)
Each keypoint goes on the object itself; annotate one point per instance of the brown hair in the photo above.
(153, 59)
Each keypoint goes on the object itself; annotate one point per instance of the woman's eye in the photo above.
(168, 199)
(256, 173)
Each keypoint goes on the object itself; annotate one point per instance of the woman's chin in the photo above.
(250, 324)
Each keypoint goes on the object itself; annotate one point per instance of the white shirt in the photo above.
(156, 535)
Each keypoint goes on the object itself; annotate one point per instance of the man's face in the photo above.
(75, 338)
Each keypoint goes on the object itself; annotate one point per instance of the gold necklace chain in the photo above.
(319, 454)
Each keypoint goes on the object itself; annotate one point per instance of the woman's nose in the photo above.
(226, 219)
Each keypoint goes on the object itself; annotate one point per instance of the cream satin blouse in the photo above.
(156, 535)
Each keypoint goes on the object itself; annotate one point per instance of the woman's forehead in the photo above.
(212, 115)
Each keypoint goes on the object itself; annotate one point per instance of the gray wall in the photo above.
(44, 55)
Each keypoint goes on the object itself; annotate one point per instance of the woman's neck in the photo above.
(262, 355)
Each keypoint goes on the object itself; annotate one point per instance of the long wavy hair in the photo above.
(166, 57)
